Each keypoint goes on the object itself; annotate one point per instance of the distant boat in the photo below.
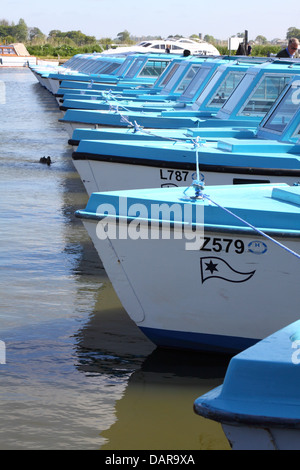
(135, 70)
(258, 404)
(15, 55)
(173, 45)
(217, 272)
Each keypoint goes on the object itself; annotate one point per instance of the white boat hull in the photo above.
(258, 438)
(234, 291)
(98, 176)
(16, 61)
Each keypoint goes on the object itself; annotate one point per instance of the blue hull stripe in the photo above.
(197, 341)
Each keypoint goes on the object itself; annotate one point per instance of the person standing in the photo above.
(241, 50)
(291, 51)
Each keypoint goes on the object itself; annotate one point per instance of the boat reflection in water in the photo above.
(153, 389)
(155, 411)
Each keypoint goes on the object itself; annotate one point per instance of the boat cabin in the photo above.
(10, 50)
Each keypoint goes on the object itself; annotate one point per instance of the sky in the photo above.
(106, 18)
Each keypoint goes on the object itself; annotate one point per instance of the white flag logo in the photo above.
(213, 267)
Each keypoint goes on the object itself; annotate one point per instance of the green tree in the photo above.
(124, 37)
(21, 31)
(209, 38)
(261, 40)
(293, 33)
(79, 38)
(54, 32)
(36, 34)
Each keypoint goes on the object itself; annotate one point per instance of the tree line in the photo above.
(65, 44)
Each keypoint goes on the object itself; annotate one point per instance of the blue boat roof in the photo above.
(268, 207)
(276, 145)
(226, 76)
(261, 385)
(84, 66)
(183, 134)
(219, 77)
(171, 83)
(133, 71)
(231, 152)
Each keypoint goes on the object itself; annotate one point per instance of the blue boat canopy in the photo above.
(274, 209)
(261, 386)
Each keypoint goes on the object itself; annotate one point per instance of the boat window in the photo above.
(176, 47)
(284, 112)
(92, 65)
(153, 68)
(239, 92)
(187, 79)
(263, 96)
(124, 65)
(227, 86)
(296, 135)
(7, 50)
(196, 82)
(186, 41)
(111, 68)
(134, 68)
(249, 181)
(170, 74)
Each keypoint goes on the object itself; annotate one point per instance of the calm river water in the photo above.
(78, 374)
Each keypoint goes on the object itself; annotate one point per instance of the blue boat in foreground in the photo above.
(258, 403)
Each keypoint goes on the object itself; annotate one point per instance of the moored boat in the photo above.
(15, 55)
(141, 70)
(172, 45)
(210, 271)
(270, 155)
(258, 402)
(214, 102)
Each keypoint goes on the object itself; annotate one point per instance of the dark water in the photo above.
(78, 372)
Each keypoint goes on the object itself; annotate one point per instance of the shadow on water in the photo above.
(157, 387)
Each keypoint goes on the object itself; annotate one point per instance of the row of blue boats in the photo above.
(192, 169)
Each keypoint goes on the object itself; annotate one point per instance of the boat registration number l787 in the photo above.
(173, 175)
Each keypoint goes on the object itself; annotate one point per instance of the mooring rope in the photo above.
(198, 184)
(201, 195)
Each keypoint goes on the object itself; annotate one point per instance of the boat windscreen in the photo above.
(170, 74)
(284, 111)
(134, 68)
(225, 89)
(196, 83)
(187, 79)
(264, 95)
(153, 68)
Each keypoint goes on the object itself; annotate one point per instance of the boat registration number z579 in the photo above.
(223, 244)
